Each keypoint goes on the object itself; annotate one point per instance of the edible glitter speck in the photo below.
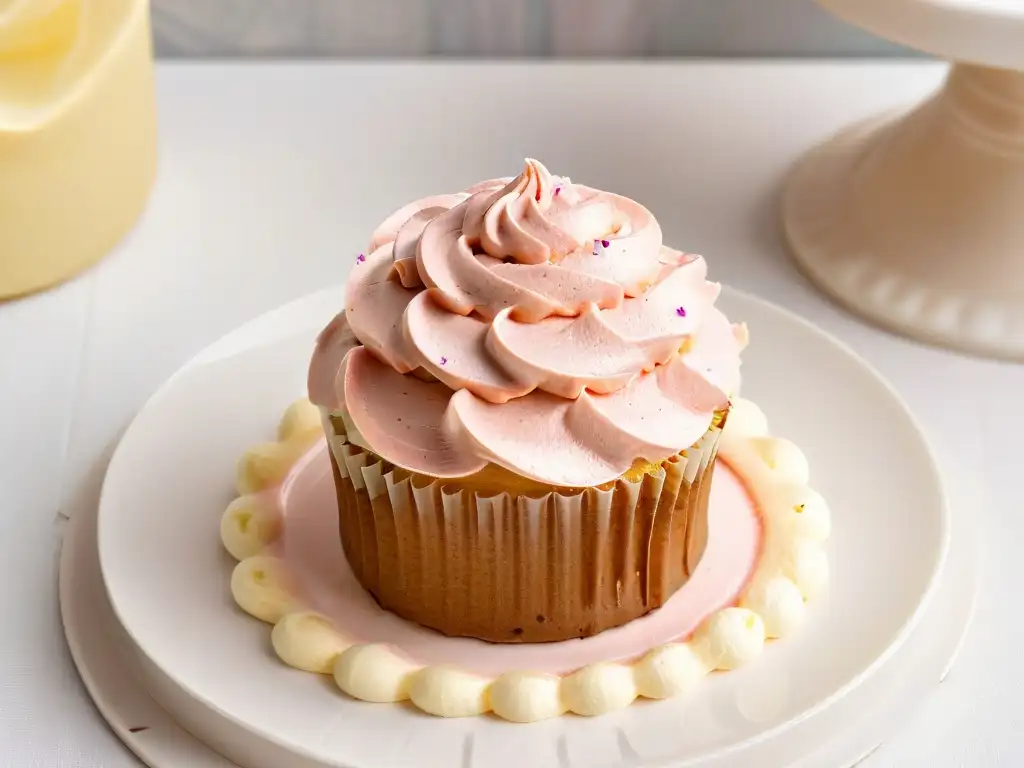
(681, 311)
(360, 258)
(444, 361)
(605, 243)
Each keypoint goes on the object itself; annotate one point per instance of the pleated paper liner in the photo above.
(521, 567)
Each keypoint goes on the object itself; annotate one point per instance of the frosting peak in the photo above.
(513, 222)
(530, 322)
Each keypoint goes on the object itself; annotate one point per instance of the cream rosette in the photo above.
(533, 324)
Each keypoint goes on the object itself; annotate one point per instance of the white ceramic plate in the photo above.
(166, 575)
(838, 736)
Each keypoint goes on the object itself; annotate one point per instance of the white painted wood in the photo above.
(613, 28)
(608, 28)
(469, 27)
(368, 29)
(271, 178)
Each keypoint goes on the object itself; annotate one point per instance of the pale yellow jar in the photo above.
(77, 134)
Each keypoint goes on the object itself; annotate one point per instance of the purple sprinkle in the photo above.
(557, 190)
(605, 243)
(444, 361)
(360, 258)
(681, 311)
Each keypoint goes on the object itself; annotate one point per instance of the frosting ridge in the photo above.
(532, 323)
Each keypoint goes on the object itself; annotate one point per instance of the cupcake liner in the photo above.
(508, 567)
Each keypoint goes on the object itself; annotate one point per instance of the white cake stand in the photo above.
(843, 723)
(916, 221)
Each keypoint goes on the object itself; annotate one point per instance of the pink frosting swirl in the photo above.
(530, 322)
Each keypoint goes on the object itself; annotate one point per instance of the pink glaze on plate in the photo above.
(311, 546)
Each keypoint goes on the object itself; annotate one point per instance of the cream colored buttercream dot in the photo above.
(784, 459)
(247, 526)
(779, 603)
(745, 418)
(811, 516)
(301, 418)
(809, 568)
(261, 467)
(730, 638)
(669, 671)
(307, 640)
(259, 587)
(373, 673)
(599, 688)
(447, 691)
(526, 697)
(266, 465)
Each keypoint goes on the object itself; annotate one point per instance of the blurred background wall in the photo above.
(657, 28)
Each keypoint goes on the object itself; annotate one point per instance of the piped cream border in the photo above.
(792, 569)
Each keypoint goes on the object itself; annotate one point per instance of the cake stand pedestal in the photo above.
(916, 221)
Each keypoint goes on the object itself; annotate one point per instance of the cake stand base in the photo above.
(915, 221)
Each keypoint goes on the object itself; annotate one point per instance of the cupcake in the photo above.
(523, 398)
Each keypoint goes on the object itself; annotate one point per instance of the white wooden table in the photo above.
(271, 178)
